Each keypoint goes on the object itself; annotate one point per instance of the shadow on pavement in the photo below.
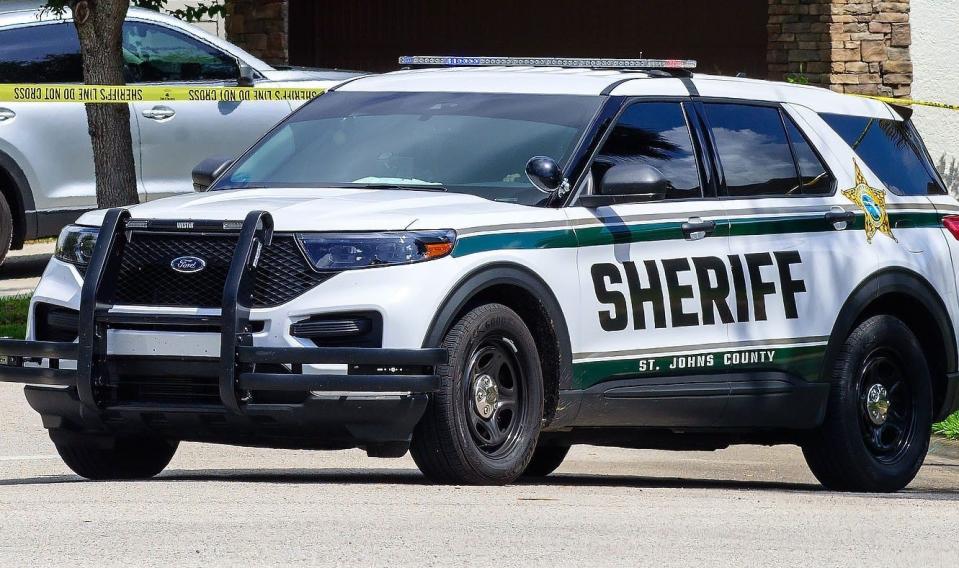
(412, 477)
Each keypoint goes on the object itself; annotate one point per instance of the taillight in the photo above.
(951, 223)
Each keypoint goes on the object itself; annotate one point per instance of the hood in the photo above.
(338, 209)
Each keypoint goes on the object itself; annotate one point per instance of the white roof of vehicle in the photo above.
(573, 81)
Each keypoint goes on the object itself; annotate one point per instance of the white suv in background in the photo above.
(46, 162)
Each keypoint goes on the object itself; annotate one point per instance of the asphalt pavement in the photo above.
(215, 505)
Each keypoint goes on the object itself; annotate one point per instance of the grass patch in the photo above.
(45, 241)
(948, 427)
(13, 316)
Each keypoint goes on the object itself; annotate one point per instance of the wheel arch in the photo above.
(530, 296)
(16, 189)
(908, 296)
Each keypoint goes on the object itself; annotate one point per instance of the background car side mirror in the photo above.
(206, 172)
(546, 175)
(246, 76)
(628, 183)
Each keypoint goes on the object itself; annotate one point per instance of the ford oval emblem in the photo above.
(188, 264)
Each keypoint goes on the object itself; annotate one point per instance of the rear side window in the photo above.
(815, 177)
(655, 134)
(753, 149)
(48, 53)
(891, 149)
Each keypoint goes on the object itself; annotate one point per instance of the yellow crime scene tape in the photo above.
(71, 93)
(910, 102)
(150, 93)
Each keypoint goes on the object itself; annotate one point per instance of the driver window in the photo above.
(655, 134)
(154, 54)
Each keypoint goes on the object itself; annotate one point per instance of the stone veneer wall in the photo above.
(850, 46)
(260, 27)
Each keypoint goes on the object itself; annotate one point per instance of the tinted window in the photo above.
(654, 134)
(471, 143)
(156, 54)
(40, 54)
(816, 179)
(753, 149)
(891, 149)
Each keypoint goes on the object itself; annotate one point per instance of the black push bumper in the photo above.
(407, 374)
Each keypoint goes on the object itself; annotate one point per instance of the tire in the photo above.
(492, 381)
(6, 228)
(127, 458)
(545, 460)
(876, 431)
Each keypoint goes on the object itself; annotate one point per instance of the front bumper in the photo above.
(374, 422)
(380, 400)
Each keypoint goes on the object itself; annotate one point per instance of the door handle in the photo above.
(696, 229)
(6, 114)
(840, 219)
(159, 113)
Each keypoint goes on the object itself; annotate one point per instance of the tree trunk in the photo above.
(99, 24)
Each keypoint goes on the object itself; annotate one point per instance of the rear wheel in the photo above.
(124, 458)
(545, 460)
(482, 426)
(6, 228)
(876, 432)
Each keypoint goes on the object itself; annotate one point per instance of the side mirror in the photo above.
(206, 172)
(246, 76)
(628, 183)
(546, 175)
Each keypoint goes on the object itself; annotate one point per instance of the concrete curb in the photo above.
(943, 447)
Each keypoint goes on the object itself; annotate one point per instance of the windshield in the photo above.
(459, 142)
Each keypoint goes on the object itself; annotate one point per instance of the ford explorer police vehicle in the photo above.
(485, 261)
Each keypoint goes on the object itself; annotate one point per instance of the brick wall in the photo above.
(851, 46)
(260, 27)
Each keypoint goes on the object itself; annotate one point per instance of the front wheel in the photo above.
(123, 458)
(6, 228)
(481, 427)
(879, 415)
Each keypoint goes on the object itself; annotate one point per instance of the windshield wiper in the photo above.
(412, 187)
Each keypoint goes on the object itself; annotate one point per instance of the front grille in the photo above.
(170, 390)
(146, 277)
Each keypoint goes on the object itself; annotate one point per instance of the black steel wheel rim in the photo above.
(495, 395)
(887, 406)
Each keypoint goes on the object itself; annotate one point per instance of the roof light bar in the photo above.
(587, 63)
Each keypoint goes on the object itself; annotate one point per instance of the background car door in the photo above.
(50, 142)
(177, 135)
(654, 276)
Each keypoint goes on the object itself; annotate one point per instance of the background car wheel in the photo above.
(6, 228)
(545, 460)
(878, 420)
(482, 426)
(127, 458)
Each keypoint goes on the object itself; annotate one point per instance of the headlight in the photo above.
(76, 243)
(345, 251)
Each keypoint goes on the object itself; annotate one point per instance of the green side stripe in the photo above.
(801, 361)
(667, 231)
(556, 238)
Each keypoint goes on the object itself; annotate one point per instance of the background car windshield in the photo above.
(466, 143)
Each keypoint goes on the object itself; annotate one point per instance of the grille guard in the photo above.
(238, 355)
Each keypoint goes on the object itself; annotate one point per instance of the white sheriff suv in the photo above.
(489, 260)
